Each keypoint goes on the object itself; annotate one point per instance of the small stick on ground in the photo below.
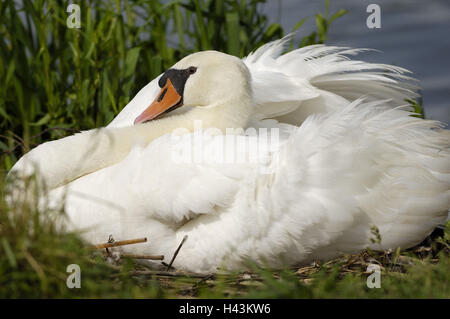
(121, 243)
(166, 264)
(150, 257)
(171, 274)
(176, 252)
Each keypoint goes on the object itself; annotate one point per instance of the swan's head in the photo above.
(203, 80)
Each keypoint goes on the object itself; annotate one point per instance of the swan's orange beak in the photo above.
(167, 100)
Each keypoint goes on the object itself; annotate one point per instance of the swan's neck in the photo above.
(69, 158)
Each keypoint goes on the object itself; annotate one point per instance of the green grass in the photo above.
(55, 80)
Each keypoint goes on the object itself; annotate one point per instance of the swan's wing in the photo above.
(172, 180)
(319, 78)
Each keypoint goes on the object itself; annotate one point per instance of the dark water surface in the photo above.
(414, 34)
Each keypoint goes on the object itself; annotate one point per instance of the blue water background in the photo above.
(414, 34)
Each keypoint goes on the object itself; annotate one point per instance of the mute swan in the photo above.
(330, 166)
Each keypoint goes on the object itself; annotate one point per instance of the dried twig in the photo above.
(176, 252)
(121, 243)
(170, 274)
(166, 265)
(150, 257)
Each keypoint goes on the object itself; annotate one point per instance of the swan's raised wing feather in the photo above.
(319, 78)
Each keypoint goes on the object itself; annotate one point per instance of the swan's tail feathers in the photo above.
(320, 78)
(364, 165)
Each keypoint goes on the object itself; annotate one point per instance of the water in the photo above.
(414, 34)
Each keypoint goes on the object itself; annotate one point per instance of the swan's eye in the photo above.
(192, 70)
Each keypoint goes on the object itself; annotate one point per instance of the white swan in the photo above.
(338, 166)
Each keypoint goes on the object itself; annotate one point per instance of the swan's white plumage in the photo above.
(338, 168)
(341, 173)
